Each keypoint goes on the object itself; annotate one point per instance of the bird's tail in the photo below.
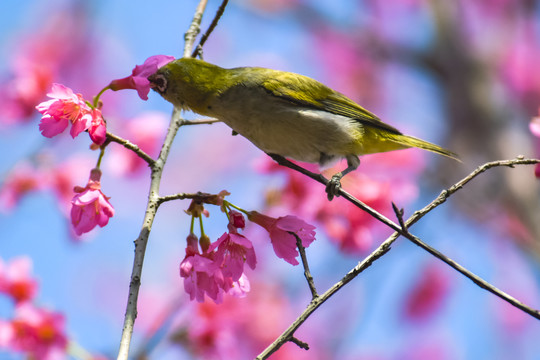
(410, 141)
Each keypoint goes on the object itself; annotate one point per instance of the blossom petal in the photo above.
(50, 126)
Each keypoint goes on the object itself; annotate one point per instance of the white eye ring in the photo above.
(160, 83)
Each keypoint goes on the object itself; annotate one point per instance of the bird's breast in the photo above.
(281, 127)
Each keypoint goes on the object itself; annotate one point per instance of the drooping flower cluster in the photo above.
(66, 108)
(35, 331)
(218, 267)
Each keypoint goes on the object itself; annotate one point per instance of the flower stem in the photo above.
(101, 153)
(96, 98)
(202, 227)
(234, 206)
(192, 224)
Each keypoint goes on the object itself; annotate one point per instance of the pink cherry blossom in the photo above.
(37, 332)
(16, 280)
(236, 221)
(58, 48)
(90, 207)
(138, 79)
(64, 108)
(233, 251)
(201, 273)
(280, 229)
(97, 129)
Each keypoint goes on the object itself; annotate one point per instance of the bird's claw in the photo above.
(333, 186)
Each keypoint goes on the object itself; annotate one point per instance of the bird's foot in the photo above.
(333, 186)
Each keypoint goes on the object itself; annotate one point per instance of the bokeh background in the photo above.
(464, 74)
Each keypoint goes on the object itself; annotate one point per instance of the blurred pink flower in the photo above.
(391, 177)
(345, 66)
(23, 179)
(428, 294)
(19, 96)
(519, 63)
(232, 252)
(201, 273)
(147, 131)
(37, 332)
(63, 177)
(279, 229)
(241, 287)
(241, 328)
(534, 126)
(16, 279)
(58, 48)
(138, 79)
(90, 207)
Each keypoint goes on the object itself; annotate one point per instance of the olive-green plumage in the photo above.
(282, 113)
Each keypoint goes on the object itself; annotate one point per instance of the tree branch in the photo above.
(287, 335)
(307, 272)
(194, 28)
(142, 240)
(211, 28)
(473, 277)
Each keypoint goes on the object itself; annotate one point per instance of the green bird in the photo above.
(283, 113)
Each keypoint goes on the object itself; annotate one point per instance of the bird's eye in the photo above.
(159, 83)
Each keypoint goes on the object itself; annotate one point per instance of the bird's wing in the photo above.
(308, 92)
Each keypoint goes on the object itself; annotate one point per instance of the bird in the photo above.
(284, 113)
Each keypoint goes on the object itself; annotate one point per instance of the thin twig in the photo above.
(385, 247)
(320, 178)
(214, 199)
(130, 146)
(194, 28)
(211, 28)
(287, 335)
(142, 240)
(300, 343)
(399, 215)
(475, 278)
(307, 272)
